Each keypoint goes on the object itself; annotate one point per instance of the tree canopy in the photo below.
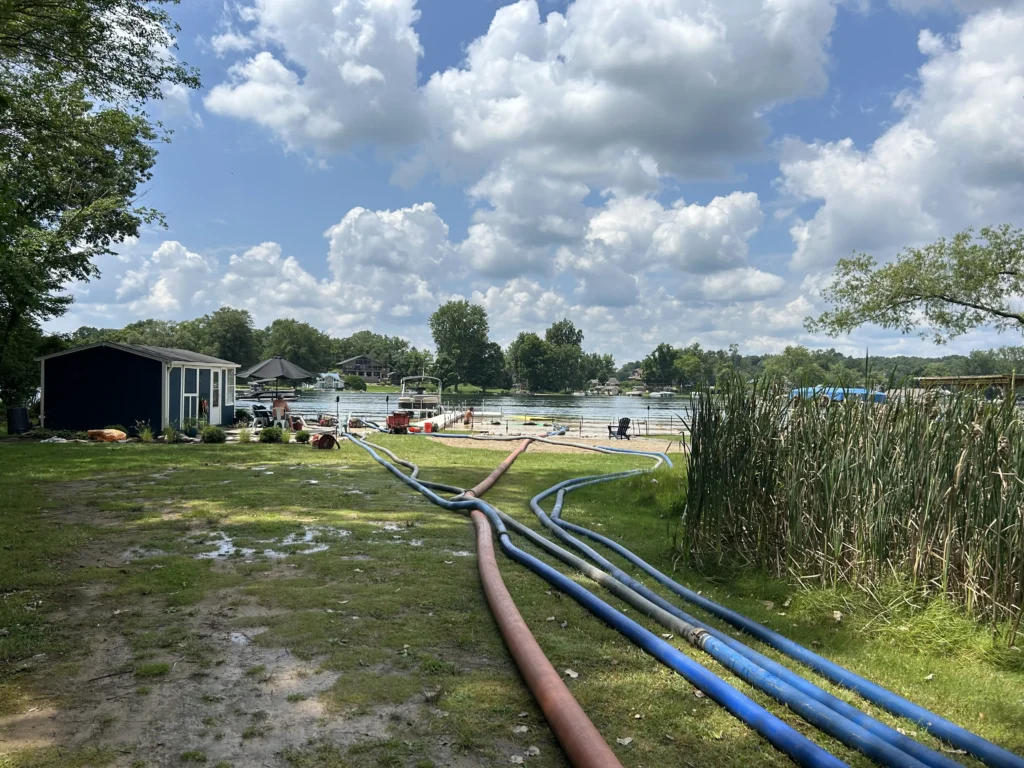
(946, 289)
(75, 145)
(460, 335)
(531, 361)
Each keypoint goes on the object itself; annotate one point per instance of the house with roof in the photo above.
(329, 381)
(365, 366)
(103, 384)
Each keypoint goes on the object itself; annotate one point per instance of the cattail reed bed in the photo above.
(926, 490)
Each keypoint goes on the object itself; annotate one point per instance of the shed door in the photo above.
(215, 397)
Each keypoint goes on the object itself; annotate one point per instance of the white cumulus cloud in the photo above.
(330, 75)
(956, 158)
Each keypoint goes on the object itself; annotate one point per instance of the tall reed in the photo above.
(927, 489)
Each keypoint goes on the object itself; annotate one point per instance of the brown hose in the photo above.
(485, 485)
(580, 740)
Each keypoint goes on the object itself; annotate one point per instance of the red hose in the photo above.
(580, 740)
(485, 485)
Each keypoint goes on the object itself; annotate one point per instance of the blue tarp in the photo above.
(840, 393)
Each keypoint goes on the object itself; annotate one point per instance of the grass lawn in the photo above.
(240, 605)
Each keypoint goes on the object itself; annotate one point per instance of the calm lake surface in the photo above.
(563, 408)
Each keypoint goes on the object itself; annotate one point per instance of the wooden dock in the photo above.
(441, 421)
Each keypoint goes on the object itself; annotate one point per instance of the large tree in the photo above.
(566, 372)
(489, 371)
(75, 143)
(658, 366)
(300, 343)
(564, 333)
(118, 51)
(597, 366)
(947, 288)
(530, 361)
(460, 335)
(230, 336)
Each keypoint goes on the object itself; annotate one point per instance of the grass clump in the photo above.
(152, 669)
(271, 435)
(245, 435)
(854, 493)
(170, 434)
(214, 434)
(302, 436)
(193, 756)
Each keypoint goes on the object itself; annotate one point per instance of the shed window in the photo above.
(190, 394)
(229, 380)
(215, 394)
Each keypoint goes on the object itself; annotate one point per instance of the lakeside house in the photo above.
(637, 374)
(100, 385)
(365, 366)
(329, 382)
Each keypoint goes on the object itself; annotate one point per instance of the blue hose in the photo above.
(920, 752)
(785, 738)
(752, 666)
(878, 741)
(984, 750)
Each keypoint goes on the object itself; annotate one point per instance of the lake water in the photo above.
(561, 408)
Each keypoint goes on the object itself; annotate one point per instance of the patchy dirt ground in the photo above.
(209, 633)
(241, 704)
(280, 607)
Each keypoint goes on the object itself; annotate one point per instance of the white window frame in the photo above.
(215, 379)
(229, 389)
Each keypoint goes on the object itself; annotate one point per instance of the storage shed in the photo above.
(99, 385)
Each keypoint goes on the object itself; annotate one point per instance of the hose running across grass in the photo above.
(833, 716)
(781, 735)
(988, 752)
(581, 741)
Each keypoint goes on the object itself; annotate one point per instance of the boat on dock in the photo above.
(265, 389)
(663, 393)
(416, 400)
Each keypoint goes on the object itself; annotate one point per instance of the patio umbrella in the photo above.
(276, 368)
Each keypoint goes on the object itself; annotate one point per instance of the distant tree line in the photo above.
(798, 365)
(465, 355)
(230, 334)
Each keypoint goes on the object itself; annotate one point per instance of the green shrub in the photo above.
(355, 382)
(170, 434)
(302, 436)
(214, 434)
(243, 416)
(245, 435)
(146, 434)
(271, 435)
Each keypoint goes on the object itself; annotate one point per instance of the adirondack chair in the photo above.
(623, 431)
(261, 416)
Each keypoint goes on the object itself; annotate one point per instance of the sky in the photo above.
(655, 170)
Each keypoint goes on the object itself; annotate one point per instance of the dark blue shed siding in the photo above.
(99, 387)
